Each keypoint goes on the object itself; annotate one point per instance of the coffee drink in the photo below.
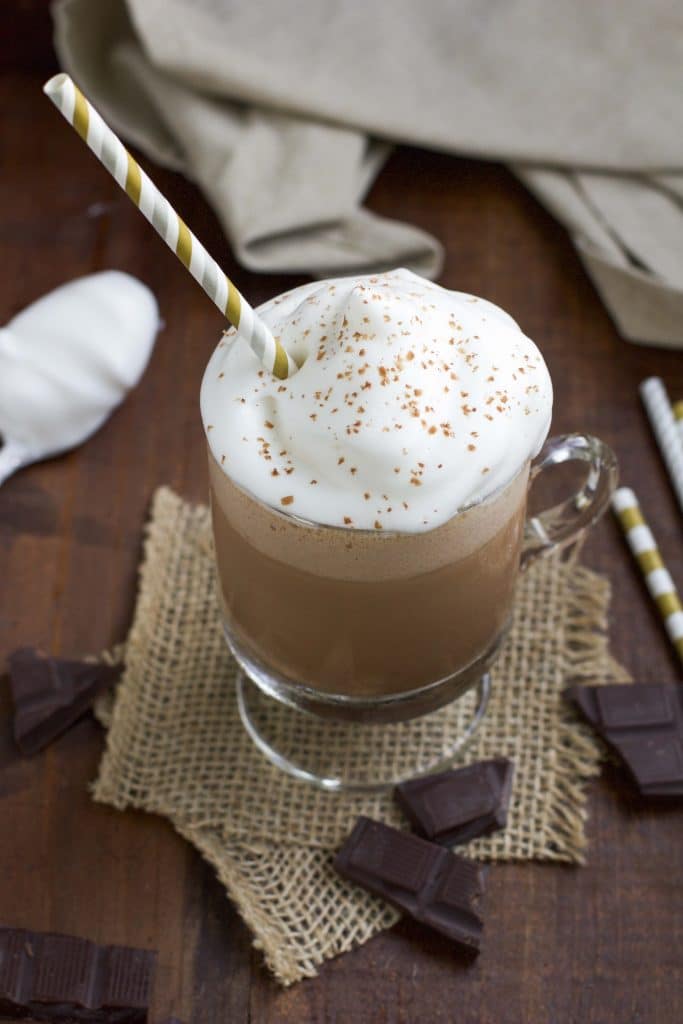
(368, 512)
(362, 613)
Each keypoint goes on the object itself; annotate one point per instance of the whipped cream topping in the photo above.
(70, 357)
(412, 402)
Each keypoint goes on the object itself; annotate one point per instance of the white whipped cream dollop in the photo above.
(70, 357)
(412, 402)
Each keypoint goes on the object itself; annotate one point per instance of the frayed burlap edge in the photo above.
(586, 656)
(295, 938)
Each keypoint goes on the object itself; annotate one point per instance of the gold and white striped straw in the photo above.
(111, 152)
(657, 577)
(678, 416)
(660, 413)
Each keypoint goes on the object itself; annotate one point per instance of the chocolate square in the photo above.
(458, 805)
(51, 694)
(431, 884)
(633, 705)
(643, 722)
(394, 857)
(47, 976)
(652, 759)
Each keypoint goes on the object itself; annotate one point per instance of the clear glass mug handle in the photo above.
(558, 526)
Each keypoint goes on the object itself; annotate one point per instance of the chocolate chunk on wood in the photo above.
(643, 722)
(50, 694)
(46, 976)
(426, 881)
(459, 805)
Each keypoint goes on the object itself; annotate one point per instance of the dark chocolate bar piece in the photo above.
(643, 722)
(47, 976)
(424, 880)
(50, 694)
(458, 805)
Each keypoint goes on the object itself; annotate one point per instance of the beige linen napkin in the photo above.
(277, 112)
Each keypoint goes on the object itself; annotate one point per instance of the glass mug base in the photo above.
(353, 756)
(375, 710)
(332, 739)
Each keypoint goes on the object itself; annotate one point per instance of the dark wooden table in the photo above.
(594, 944)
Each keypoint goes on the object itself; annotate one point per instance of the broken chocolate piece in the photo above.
(424, 880)
(50, 694)
(459, 805)
(643, 722)
(47, 976)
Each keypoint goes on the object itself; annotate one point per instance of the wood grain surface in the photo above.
(602, 943)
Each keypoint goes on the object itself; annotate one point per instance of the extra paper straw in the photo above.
(642, 544)
(658, 406)
(110, 151)
(678, 416)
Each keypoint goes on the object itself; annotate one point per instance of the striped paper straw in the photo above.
(678, 416)
(110, 151)
(657, 577)
(660, 413)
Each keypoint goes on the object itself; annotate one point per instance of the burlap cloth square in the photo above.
(176, 746)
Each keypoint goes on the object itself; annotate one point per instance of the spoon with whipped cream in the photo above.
(67, 360)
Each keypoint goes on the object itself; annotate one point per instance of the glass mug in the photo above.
(370, 626)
